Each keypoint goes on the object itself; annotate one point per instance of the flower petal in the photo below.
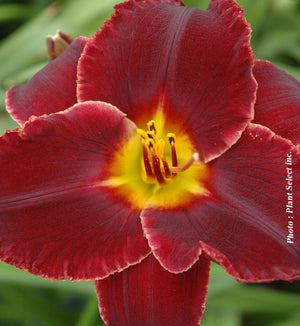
(51, 90)
(148, 295)
(278, 101)
(194, 65)
(244, 223)
(56, 219)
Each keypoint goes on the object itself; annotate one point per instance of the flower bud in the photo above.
(57, 44)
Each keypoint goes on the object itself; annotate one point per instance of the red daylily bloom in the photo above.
(157, 170)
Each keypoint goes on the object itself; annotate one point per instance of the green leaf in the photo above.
(221, 317)
(21, 303)
(90, 314)
(12, 275)
(2, 102)
(220, 281)
(255, 299)
(78, 14)
(24, 75)
(14, 11)
(255, 12)
(6, 122)
(21, 49)
(202, 4)
(292, 320)
(26, 46)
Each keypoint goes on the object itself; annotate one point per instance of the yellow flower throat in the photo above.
(147, 172)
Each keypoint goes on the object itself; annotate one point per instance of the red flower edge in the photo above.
(146, 294)
(277, 100)
(52, 89)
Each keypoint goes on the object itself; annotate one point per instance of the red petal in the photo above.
(243, 224)
(194, 65)
(51, 90)
(148, 295)
(56, 220)
(278, 101)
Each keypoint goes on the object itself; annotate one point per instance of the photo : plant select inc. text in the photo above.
(289, 193)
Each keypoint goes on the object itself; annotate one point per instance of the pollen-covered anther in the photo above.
(172, 139)
(157, 169)
(143, 134)
(152, 126)
(151, 135)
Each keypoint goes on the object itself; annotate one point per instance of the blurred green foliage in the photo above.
(26, 300)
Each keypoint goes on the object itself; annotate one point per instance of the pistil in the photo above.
(184, 167)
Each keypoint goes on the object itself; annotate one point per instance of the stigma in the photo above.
(156, 167)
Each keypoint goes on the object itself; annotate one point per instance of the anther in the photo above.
(151, 126)
(172, 139)
(150, 145)
(142, 133)
(151, 135)
(156, 166)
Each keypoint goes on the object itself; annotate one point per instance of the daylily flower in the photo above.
(137, 163)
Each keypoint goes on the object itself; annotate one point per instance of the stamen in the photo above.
(155, 161)
(172, 139)
(166, 168)
(156, 166)
(148, 169)
(151, 135)
(157, 171)
(160, 146)
(194, 158)
(142, 133)
(174, 156)
(151, 126)
(150, 144)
